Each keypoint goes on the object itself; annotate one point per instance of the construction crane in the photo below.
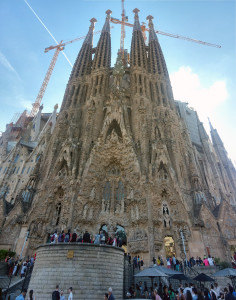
(47, 77)
(144, 29)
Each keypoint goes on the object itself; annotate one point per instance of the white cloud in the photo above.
(5, 62)
(188, 87)
(206, 100)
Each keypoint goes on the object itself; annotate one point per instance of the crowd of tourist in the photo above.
(86, 237)
(188, 292)
(19, 267)
(177, 265)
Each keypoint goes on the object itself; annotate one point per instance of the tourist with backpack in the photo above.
(56, 294)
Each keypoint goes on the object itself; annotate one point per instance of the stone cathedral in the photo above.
(121, 153)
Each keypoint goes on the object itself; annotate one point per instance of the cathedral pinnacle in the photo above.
(106, 27)
(136, 11)
(108, 12)
(149, 18)
(211, 127)
(93, 21)
(152, 34)
(136, 20)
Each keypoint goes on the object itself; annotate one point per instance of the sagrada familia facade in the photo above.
(121, 153)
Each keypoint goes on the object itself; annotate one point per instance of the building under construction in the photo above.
(121, 154)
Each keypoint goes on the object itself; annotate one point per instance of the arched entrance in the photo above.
(169, 246)
(121, 236)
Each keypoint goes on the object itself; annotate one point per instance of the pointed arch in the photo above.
(114, 126)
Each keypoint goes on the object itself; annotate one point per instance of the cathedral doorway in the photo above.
(121, 237)
(169, 246)
(104, 230)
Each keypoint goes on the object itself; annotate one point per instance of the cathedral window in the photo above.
(72, 91)
(107, 192)
(165, 209)
(162, 172)
(164, 101)
(162, 89)
(77, 92)
(151, 90)
(120, 191)
(145, 84)
(58, 213)
(157, 89)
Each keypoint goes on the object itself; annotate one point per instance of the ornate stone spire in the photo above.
(102, 58)
(136, 20)
(82, 65)
(156, 58)
(138, 56)
(216, 140)
(211, 127)
(83, 62)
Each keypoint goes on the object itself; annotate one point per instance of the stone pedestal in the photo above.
(89, 269)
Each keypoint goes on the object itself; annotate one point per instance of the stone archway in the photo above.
(169, 245)
(121, 236)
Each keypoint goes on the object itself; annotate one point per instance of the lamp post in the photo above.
(26, 238)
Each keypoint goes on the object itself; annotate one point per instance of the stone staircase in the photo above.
(3, 268)
(12, 287)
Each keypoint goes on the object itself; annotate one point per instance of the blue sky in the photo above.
(203, 76)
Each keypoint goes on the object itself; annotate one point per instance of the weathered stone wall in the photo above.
(91, 271)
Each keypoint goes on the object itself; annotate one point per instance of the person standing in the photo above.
(174, 262)
(230, 295)
(168, 263)
(194, 293)
(139, 263)
(67, 236)
(106, 296)
(110, 295)
(31, 295)
(70, 294)
(62, 297)
(74, 237)
(166, 295)
(181, 294)
(22, 295)
(206, 261)
(97, 239)
(86, 237)
(210, 260)
(56, 294)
